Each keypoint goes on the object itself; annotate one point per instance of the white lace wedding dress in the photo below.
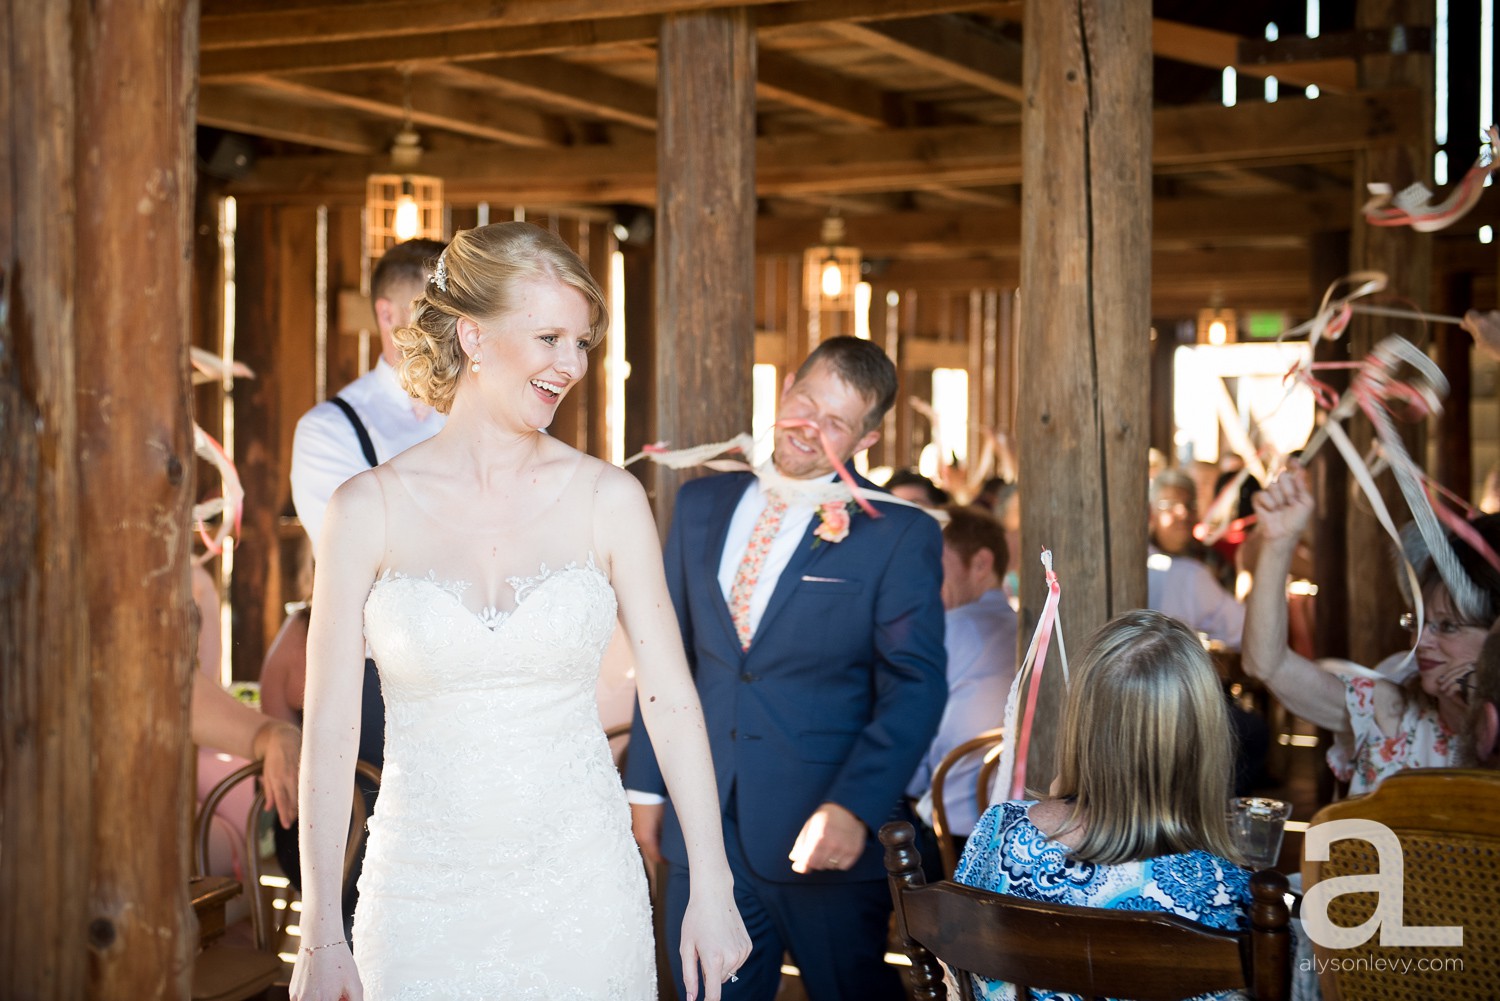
(501, 863)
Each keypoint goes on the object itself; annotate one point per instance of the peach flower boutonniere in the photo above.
(834, 518)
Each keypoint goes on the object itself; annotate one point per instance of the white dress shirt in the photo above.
(788, 538)
(325, 449)
(1185, 589)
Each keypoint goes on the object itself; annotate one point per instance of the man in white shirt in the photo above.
(327, 448)
(332, 444)
(980, 638)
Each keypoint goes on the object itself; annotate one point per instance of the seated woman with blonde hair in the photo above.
(1136, 819)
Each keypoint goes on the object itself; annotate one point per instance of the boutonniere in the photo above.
(833, 520)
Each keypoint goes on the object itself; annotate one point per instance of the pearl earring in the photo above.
(474, 365)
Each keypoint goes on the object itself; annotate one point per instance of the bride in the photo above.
(486, 569)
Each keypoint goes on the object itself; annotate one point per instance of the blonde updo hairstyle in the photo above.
(1147, 749)
(480, 270)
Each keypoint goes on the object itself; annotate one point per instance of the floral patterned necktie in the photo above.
(748, 574)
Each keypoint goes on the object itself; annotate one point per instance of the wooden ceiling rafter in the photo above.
(241, 111)
(433, 105)
(831, 95)
(1187, 138)
(998, 232)
(229, 25)
(312, 52)
(568, 87)
(1213, 49)
(946, 45)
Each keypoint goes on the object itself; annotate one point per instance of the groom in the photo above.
(819, 661)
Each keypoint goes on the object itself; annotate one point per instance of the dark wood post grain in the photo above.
(96, 630)
(1406, 257)
(1085, 320)
(45, 810)
(705, 240)
(135, 72)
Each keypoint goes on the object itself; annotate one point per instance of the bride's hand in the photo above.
(326, 975)
(713, 938)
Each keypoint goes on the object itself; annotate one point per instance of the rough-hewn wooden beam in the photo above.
(45, 899)
(240, 111)
(1223, 220)
(705, 242)
(902, 159)
(1230, 277)
(581, 90)
(367, 53)
(1405, 256)
(823, 92)
(946, 45)
(312, 52)
(232, 25)
(433, 105)
(1085, 285)
(1213, 49)
(96, 615)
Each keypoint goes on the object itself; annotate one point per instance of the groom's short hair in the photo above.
(862, 365)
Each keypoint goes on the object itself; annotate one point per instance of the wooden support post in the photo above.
(96, 635)
(1085, 281)
(705, 242)
(1330, 474)
(1406, 257)
(1453, 432)
(1163, 354)
(640, 354)
(276, 271)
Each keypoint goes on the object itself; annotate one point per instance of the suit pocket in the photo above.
(812, 587)
(826, 748)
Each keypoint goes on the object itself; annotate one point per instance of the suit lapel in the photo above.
(787, 583)
(713, 552)
(809, 551)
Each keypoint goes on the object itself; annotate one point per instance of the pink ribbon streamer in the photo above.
(834, 460)
(1413, 206)
(702, 455)
(231, 505)
(1011, 774)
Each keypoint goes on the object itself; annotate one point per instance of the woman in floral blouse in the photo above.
(1381, 726)
(1137, 816)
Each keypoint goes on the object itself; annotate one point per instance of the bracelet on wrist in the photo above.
(310, 949)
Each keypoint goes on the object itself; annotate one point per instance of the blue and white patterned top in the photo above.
(1007, 853)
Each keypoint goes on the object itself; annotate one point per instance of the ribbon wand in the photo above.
(1010, 776)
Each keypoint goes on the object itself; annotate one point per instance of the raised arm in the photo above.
(713, 935)
(1282, 511)
(348, 557)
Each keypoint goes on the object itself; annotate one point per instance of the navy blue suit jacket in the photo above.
(842, 688)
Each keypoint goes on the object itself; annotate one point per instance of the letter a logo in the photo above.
(1385, 883)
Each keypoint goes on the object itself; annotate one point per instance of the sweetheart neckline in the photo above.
(490, 617)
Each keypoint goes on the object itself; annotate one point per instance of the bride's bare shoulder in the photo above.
(613, 486)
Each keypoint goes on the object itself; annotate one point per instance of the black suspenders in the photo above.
(365, 444)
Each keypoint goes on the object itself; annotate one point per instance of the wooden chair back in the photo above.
(261, 916)
(1447, 821)
(1088, 951)
(987, 743)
